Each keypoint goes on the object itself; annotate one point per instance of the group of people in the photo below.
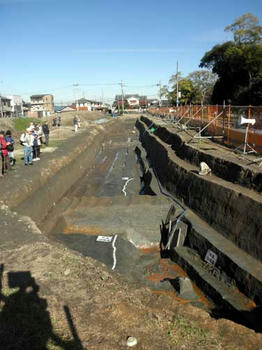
(57, 121)
(7, 151)
(31, 139)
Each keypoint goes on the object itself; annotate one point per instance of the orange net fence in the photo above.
(223, 121)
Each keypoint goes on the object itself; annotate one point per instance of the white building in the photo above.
(88, 105)
(16, 103)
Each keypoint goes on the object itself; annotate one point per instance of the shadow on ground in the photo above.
(24, 319)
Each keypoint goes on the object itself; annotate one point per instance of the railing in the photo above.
(226, 125)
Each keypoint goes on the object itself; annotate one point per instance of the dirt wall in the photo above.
(35, 193)
(235, 215)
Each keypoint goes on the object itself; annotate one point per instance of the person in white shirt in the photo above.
(27, 140)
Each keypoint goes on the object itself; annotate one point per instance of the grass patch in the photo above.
(55, 143)
(20, 124)
(190, 335)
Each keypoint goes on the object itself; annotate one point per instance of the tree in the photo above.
(203, 82)
(164, 91)
(186, 88)
(238, 64)
(246, 29)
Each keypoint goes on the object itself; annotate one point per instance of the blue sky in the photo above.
(48, 45)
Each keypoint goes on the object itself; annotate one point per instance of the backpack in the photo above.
(10, 148)
(22, 139)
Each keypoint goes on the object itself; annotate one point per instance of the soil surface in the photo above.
(52, 297)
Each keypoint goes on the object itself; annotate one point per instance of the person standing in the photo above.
(39, 132)
(27, 140)
(45, 129)
(54, 121)
(4, 154)
(79, 122)
(36, 147)
(10, 147)
(75, 122)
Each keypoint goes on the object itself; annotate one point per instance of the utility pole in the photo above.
(121, 84)
(160, 103)
(177, 99)
(75, 86)
(102, 96)
(159, 84)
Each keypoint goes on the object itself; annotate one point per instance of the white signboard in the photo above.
(106, 239)
(211, 257)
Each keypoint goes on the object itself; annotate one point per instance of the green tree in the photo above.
(164, 92)
(246, 29)
(188, 93)
(203, 81)
(238, 64)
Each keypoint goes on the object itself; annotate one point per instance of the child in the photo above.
(10, 147)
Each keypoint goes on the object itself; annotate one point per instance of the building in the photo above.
(17, 105)
(88, 105)
(134, 101)
(71, 108)
(41, 105)
(5, 107)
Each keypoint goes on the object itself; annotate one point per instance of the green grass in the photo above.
(20, 124)
(189, 334)
(55, 143)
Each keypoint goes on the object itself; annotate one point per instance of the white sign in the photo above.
(106, 239)
(211, 257)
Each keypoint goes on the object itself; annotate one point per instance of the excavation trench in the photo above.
(101, 198)
(113, 213)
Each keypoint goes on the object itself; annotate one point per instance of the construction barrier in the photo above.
(227, 124)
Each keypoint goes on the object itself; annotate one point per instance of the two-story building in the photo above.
(5, 107)
(134, 101)
(41, 105)
(88, 105)
(17, 105)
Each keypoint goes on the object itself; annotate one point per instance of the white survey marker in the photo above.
(107, 239)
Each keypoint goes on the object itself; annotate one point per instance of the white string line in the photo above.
(114, 252)
(124, 188)
(112, 166)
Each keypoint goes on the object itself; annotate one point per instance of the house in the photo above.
(88, 105)
(5, 107)
(41, 105)
(83, 105)
(153, 102)
(17, 104)
(131, 101)
(71, 108)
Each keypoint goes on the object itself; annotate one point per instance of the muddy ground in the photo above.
(55, 298)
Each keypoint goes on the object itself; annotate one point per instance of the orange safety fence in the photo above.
(227, 124)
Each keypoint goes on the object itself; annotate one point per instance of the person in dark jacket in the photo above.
(10, 147)
(45, 129)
